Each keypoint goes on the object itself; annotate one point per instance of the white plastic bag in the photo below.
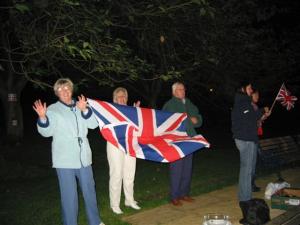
(274, 187)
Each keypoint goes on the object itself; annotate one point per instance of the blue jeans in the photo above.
(69, 196)
(248, 152)
(257, 157)
(180, 176)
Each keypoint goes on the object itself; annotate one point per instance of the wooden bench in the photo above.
(280, 151)
(290, 217)
(297, 139)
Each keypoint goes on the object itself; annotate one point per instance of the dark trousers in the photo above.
(180, 177)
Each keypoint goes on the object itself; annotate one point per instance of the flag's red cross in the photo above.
(169, 152)
(288, 98)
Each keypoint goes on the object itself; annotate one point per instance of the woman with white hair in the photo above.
(67, 121)
(121, 166)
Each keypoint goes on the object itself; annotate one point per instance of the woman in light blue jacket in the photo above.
(67, 121)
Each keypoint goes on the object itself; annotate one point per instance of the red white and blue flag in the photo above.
(146, 133)
(285, 98)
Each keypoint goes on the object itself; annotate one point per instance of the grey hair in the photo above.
(175, 85)
(63, 82)
(117, 90)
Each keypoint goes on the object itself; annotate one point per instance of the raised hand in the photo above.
(40, 108)
(267, 114)
(194, 119)
(82, 103)
(266, 109)
(137, 104)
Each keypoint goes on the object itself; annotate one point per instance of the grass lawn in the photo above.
(29, 191)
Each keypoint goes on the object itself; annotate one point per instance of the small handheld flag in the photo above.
(285, 98)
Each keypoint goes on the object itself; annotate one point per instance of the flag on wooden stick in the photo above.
(285, 98)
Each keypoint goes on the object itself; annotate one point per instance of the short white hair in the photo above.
(117, 90)
(61, 83)
(175, 85)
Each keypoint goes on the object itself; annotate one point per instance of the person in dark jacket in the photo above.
(244, 128)
(181, 170)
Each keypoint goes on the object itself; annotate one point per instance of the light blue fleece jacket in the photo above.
(68, 127)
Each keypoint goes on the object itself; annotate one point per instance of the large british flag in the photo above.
(146, 133)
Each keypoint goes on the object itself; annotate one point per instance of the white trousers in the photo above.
(121, 169)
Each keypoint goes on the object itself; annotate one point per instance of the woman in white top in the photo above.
(121, 166)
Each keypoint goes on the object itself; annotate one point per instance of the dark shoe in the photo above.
(255, 188)
(243, 221)
(244, 205)
(187, 199)
(176, 202)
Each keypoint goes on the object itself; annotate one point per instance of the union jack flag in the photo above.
(146, 133)
(285, 98)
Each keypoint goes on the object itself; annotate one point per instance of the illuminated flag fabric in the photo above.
(146, 133)
(285, 98)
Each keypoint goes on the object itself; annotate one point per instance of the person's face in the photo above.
(64, 94)
(121, 98)
(180, 91)
(255, 97)
(248, 90)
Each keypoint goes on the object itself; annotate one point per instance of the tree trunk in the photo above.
(13, 114)
(155, 91)
(11, 86)
(149, 90)
(13, 117)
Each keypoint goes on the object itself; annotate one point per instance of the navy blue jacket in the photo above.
(244, 118)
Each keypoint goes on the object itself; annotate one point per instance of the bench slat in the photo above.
(280, 150)
(290, 217)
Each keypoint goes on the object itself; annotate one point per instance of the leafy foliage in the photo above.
(64, 38)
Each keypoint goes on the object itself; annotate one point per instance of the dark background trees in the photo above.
(44, 40)
(145, 46)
